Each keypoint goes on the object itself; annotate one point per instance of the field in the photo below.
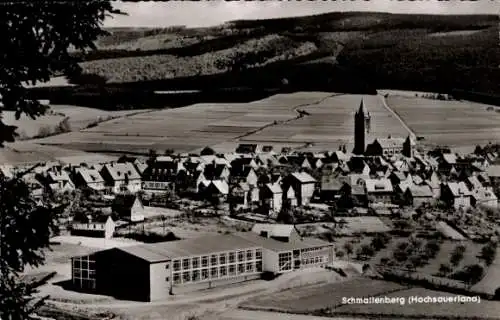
(28, 152)
(467, 310)
(315, 297)
(271, 121)
(78, 118)
(451, 123)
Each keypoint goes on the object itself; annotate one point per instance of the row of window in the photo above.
(156, 185)
(217, 259)
(312, 249)
(313, 260)
(216, 272)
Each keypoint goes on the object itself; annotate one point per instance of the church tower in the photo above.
(361, 121)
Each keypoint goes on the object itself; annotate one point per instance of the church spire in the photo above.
(362, 109)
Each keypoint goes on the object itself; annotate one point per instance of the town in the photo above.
(298, 208)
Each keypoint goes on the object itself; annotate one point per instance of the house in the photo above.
(121, 177)
(281, 232)
(456, 195)
(238, 196)
(386, 147)
(161, 174)
(331, 187)
(398, 177)
(435, 183)
(128, 207)
(271, 197)
(216, 189)
(245, 174)
(214, 171)
(89, 178)
(59, 181)
(303, 186)
(447, 163)
(484, 197)
(101, 227)
(379, 190)
(418, 196)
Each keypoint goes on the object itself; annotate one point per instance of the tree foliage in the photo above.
(36, 38)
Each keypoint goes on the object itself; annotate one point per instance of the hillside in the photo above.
(414, 52)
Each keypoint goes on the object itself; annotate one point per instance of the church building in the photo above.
(381, 146)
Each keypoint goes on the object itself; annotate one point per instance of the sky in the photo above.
(214, 12)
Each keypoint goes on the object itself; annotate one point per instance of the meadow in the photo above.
(467, 310)
(78, 118)
(315, 297)
(450, 123)
(272, 121)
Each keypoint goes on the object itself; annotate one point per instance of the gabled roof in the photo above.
(378, 185)
(90, 176)
(213, 172)
(391, 142)
(274, 188)
(303, 177)
(459, 189)
(274, 230)
(164, 251)
(59, 176)
(483, 194)
(450, 158)
(329, 183)
(420, 191)
(222, 186)
(118, 171)
(474, 182)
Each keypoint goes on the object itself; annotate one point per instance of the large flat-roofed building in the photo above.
(150, 272)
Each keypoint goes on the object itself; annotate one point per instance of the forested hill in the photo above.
(337, 51)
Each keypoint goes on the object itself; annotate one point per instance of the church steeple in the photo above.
(360, 124)
(361, 109)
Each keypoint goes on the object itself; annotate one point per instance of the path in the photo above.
(222, 294)
(295, 109)
(264, 315)
(413, 136)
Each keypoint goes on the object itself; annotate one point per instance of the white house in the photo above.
(121, 177)
(59, 181)
(102, 227)
(272, 195)
(456, 194)
(379, 190)
(128, 207)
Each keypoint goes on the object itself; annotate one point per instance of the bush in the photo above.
(488, 253)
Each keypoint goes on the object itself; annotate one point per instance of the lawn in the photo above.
(315, 297)
(271, 121)
(452, 123)
(467, 310)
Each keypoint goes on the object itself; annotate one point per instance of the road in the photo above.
(239, 314)
(413, 136)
